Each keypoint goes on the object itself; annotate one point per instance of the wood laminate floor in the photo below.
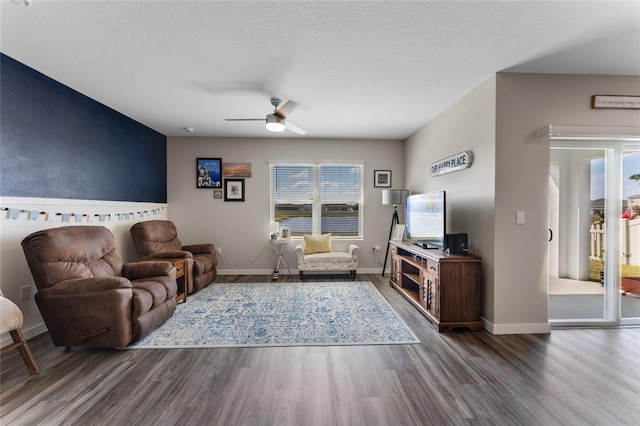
(570, 377)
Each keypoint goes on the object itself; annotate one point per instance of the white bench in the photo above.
(328, 261)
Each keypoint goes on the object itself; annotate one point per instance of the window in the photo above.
(318, 198)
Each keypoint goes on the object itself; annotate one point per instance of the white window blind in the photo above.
(318, 198)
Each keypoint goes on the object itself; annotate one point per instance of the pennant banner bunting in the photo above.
(15, 214)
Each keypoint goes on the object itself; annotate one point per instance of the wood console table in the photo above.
(447, 289)
(182, 274)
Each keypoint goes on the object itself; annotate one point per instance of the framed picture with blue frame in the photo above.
(209, 172)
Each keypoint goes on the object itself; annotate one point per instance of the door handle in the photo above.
(550, 235)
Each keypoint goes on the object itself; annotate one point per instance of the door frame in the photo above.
(613, 141)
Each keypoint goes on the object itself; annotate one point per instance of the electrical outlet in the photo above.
(376, 248)
(25, 292)
(218, 250)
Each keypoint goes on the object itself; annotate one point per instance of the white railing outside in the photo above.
(630, 242)
(596, 243)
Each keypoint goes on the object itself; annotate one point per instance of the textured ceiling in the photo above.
(357, 69)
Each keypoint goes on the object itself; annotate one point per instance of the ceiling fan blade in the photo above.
(290, 126)
(286, 109)
(244, 119)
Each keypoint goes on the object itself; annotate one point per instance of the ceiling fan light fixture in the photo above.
(276, 121)
(275, 124)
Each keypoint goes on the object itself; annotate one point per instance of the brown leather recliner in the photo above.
(159, 239)
(86, 294)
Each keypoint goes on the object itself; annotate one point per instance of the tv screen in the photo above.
(426, 214)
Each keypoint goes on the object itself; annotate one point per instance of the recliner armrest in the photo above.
(200, 248)
(168, 254)
(86, 285)
(137, 270)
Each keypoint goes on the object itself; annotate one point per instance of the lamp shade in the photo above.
(395, 196)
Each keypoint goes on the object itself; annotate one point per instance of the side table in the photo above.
(279, 246)
(182, 274)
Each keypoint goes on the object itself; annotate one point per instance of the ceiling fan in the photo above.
(276, 121)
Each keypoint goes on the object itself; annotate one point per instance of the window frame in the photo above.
(316, 200)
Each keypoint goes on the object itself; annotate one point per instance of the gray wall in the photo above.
(497, 121)
(525, 103)
(241, 229)
(468, 125)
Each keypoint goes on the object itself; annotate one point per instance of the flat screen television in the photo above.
(426, 219)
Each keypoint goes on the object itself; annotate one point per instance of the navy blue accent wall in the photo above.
(58, 143)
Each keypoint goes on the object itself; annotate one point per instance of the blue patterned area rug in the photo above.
(281, 314)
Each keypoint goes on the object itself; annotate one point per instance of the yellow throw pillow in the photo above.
(313, 244)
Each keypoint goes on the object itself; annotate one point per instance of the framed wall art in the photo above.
(382, 178)
(234, 189)
(236, 170)
(209, 173)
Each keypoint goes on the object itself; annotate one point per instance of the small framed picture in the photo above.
(399, 234)
(236, 170)
(209, 173)
(234, 189)
(382, 178)
(217, 194)
(285, 233)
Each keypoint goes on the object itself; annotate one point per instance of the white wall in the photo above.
(14, 272)
(241, 229)
(468, 125)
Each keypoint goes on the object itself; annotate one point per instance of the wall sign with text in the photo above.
(451, 164)
(615, 102)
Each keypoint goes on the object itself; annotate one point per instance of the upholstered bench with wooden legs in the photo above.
(317, 255)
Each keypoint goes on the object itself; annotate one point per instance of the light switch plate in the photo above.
(519, 218)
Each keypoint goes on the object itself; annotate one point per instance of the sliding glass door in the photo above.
(594, 192)
(630, 237)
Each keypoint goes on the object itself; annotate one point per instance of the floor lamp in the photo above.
(395, 197)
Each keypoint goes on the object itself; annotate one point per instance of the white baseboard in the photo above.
(252, 271)
(531, 328)
(284, 271)
(28, 334)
